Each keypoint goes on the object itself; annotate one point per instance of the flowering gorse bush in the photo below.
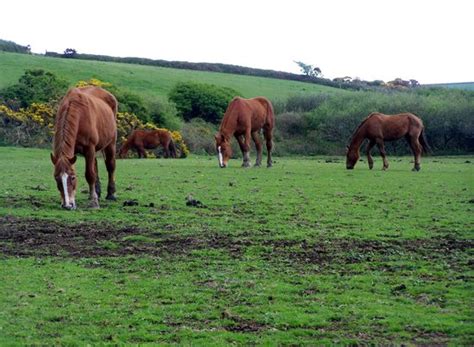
(31, 126)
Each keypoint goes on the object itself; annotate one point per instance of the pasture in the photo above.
(150, 82)
(303, 253)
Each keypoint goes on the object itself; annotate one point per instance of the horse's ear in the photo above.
(53, 159)
(347, 149)
(72, 160)
(217, 136)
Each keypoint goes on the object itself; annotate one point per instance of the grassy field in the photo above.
(148, 81)
(303, 253)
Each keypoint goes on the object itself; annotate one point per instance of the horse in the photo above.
(85, 123)
(379, 127)
(244, 119)
(140, 140)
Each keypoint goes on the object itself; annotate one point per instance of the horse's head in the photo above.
(352, 156)
(224, 149)
(65, 177)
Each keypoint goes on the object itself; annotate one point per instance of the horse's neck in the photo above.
(65, 137)
(357, 139)
(228, 127)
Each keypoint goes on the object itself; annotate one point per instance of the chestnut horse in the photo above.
(378, 127)
(243, 119)
(140, 140)
(85, 123)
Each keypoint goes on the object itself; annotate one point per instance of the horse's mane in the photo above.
(360, 125)
(67, 123)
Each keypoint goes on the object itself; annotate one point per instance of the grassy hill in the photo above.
(149, 81)
(463, 85)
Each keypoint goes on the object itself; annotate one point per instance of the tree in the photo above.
(309, 70)
(69, 53)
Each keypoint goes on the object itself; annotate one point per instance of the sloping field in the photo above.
(149, 81)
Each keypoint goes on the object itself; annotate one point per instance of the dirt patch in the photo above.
(34, 237)
(351, 251)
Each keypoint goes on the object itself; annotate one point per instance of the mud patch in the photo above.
(34, 237)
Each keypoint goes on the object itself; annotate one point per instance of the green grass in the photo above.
(148, 81)
(303, 253)
(460, 85)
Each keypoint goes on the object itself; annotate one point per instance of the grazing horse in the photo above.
(140, 140)
(85, 123)
(243, 119)
(378, 127)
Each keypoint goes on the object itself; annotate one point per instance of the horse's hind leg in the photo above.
(268, 138)
(381, 146)
(258, 146)
(97, 181)
(110, 165)
(370, 145)
(91, 177)
(166, 149)
(416, 148)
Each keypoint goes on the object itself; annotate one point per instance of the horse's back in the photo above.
(95, 109)
(392, 127)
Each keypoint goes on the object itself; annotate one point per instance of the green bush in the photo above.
(34, 86)
(197, 100)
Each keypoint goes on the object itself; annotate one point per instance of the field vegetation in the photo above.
(303, 253)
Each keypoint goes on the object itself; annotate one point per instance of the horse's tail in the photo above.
(124, 149)
(172, 149)
(423, 142)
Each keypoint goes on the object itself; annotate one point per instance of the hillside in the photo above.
(149, 81)
(462, 85)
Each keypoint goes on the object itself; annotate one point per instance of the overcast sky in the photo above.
(430, 41)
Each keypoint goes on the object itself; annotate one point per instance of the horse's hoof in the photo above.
(94, 205)
(111, 197)
(246, 165)
(257, 165)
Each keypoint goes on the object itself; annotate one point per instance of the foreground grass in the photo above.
(304, 253)
(148, 81)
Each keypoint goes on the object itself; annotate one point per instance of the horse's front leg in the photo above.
(381, 146)
(244, 147)
(110, 165)
(370, 145)
(91, 177)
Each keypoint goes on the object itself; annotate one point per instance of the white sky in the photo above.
(430, 41)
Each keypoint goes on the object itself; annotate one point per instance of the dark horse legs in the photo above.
(110, 165)
(91, 176)
(244, 144)
(268, 137)
(370, 145)
(416, 148)
(381, 146)
(258, 146)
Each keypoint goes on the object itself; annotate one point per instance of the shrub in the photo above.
(34, 86)
(199, 135)
(197, 100)
(29, 127)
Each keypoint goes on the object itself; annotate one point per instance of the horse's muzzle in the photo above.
(349, 167)
(222, 166)
(71, 206)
